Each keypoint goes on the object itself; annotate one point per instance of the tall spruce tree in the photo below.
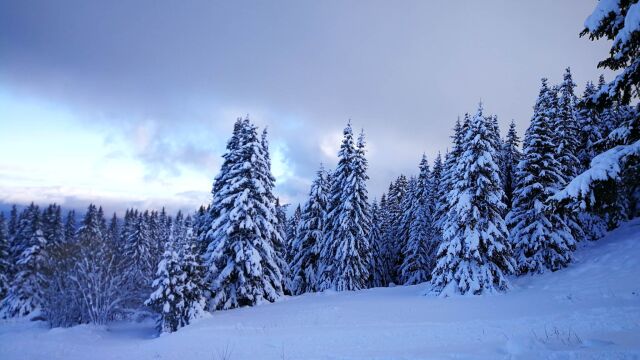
(29, 253)
(589, 127)
(378, 267)
(418, 259)
(194, 288)
(168, 297)
(450, 160)
(540, 236)
(567, 139)
(409, 206)
(5, 264)
(70, 226)
(276, 224)
(242, 266)
(610, 185)
(293, 223)
(383, 259)
(102, 289)
(310, 236)
(394, 229)
(475, 255)
(138, 254)
(510, 157)
(345, 254)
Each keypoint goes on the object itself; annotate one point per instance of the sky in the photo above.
(130, 104)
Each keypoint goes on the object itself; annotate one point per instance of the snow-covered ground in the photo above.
(590, 310)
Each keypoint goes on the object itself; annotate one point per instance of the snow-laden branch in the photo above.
(606, 166)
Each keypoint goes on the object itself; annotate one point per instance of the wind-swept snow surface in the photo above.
(589, 310)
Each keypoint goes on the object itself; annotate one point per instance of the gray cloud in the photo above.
(183, 71)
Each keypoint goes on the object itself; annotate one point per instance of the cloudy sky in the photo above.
(130, 103)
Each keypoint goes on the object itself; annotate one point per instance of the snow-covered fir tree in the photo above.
(102, 289)
(241, 263)
(113, 233)
(201, 225)
(70, 226)
(30, 259)
(310, 235)
(191, 262)
(450, 160)
(418, 259)
(52, 225)
(610, 184)
(378, 267)
(510, 157)
(345, 253)
(12, 224)
(392, 232)
(437, 191)
(475, 255)
(567, 140)
(5, 264)
(293, 223)
(272, 225)
(408, 208)
(383, 261)
(139, 253)
(589, 127)
(168, 298)
(540, 236)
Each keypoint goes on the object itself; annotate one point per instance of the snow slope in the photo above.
(590, 310)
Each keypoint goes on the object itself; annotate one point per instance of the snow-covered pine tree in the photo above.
(566, 136)
(310, 235)
(273, 225)
(58, 298)
(540, 237)
(167, 298)
(475, 255)
(140, 263)
(450, 160)
(163, 223)
(52, 225)
(5, 265)
(393, 227)
(617, 21)
(345, 254)
(70, 227)
(496, 140)
(383, 265)
(437, 192)
(191, 262)
(12, 225)
(113, 233)
(28, 250)
(611, 180)
(409, 208)
(221, 182)
(102, 289)
(202, 222)
(292, 231)
(589, 127)
(242, 266)
(419, 250)
(378, 272)
(510, 157)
